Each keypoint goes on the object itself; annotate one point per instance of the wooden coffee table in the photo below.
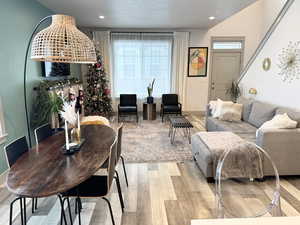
(182, 123)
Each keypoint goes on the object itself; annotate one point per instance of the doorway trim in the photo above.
(212, 51)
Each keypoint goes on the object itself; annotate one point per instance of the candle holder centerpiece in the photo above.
(72, 122)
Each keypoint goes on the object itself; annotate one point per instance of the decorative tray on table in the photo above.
(73, 147)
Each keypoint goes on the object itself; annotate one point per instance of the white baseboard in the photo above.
(3, 178)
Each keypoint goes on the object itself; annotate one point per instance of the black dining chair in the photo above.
(170, 105)
(97, 186)
(119, 154)
(13, 152)
(128, 106)
(43, 132)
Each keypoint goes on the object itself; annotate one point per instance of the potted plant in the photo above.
(150, 99)
(56, 105)
(234, 91)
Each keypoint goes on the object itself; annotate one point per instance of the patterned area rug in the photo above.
(148, 141)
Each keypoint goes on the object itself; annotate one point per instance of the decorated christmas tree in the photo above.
(97, 99)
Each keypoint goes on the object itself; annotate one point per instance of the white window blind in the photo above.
(137, 59)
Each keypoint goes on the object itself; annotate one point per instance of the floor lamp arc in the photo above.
(60, 42)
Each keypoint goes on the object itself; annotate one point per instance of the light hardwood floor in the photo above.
(159, 194)
(171, 193)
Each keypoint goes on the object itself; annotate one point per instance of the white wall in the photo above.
(196, 87)
(269, 85)
(271, 8)
(252, 23)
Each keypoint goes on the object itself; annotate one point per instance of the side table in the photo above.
(149, 111)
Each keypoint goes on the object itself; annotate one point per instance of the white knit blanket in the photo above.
(244, 159)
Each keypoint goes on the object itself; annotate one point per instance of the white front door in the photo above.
(226, 67)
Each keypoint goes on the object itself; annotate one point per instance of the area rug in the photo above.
(148, 141)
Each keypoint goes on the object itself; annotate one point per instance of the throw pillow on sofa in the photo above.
(280, 121)
(292, 113)
(232, 113)
(260, 113)
(247, 106)
(212, 107)
(227, 110)
(220, 107)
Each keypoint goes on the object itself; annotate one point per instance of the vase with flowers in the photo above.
(72, 121)
(150, 98)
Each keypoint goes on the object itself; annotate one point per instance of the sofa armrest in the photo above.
(283, 146)
(285, 137)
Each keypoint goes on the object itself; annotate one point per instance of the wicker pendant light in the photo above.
(62, 42)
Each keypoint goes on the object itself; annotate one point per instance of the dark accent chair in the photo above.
(128, 106)
(170, 105)
(119, 155)
(13, 152)
(43, 132)
(97, 186)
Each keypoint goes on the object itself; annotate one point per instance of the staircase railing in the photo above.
(266, 38)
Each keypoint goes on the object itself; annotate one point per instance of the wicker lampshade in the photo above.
(62, 42)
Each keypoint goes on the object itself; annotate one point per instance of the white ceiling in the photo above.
(155, 14)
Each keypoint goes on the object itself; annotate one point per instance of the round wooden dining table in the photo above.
(44, 170)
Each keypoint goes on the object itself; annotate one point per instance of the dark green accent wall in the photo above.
(17, 20)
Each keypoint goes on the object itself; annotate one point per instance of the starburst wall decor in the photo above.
(289, 62)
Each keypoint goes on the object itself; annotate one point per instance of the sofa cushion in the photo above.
(214, 124)
(127, 109)
(260, 113)
(247, 106)
(171, 108)
(293, 114)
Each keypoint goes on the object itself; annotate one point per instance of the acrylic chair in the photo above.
(13, 152)
(97, 186)
(246, 196)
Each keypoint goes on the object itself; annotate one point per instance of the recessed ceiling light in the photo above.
(211, 17)
(101, 17)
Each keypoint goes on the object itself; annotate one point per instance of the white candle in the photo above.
(78, 120)
(66, 135)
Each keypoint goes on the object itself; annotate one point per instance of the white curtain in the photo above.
(180, 62)
(137, 59)
(102, 42)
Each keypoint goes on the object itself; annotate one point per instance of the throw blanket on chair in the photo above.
(244, 159)
(94, 120)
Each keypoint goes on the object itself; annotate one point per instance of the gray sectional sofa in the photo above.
(283, 145)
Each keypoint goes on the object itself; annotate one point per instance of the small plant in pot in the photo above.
(150, 98)
(234, 91)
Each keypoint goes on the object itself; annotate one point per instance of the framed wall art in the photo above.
(197, 61)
